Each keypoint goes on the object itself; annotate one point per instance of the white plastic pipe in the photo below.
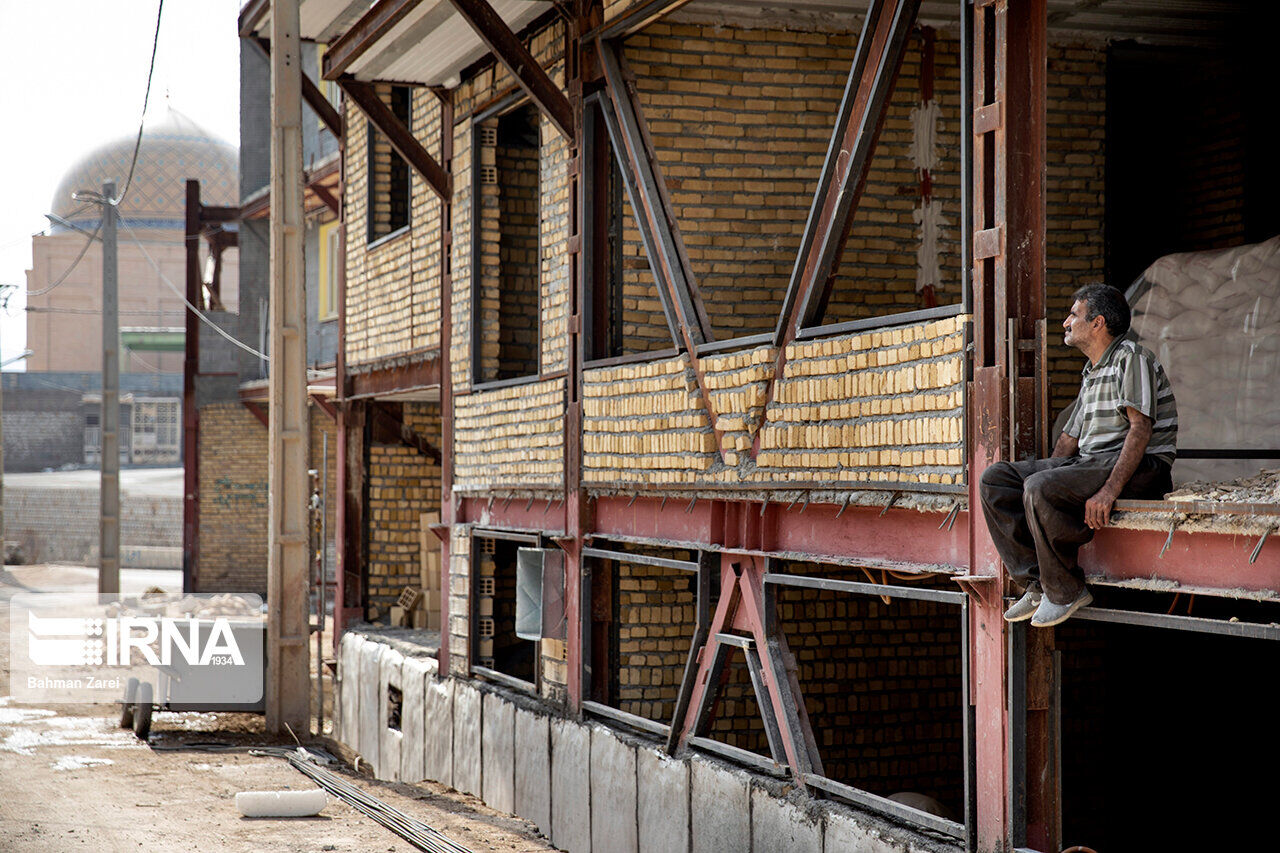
(281, 803)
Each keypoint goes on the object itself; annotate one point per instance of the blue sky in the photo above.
(72, 76)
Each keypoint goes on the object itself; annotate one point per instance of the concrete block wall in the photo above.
(880, 406)
(510, 437)
(488, 83)
(61, 525)
(587, 787)
(403, 484)
(393, 287)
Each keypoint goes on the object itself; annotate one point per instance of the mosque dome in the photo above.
(174, 149)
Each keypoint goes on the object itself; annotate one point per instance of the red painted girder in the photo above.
(820, 530)
(515, 514)
(1199, 559)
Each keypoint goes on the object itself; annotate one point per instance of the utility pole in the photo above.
(109, 486)
(288, 692)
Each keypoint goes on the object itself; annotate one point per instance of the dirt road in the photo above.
(71, 779)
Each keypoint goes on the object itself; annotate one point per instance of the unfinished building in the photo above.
(682, 332)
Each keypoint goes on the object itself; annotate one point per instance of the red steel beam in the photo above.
(511, 52)
(258, 412)
(404, 142)
(1200, 559)
(512, 513)
(364, 34)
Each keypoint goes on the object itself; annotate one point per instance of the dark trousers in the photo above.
(1035, 512)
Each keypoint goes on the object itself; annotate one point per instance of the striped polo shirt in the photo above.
(1127, 375)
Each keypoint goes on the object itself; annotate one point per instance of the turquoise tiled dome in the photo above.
(173, 149)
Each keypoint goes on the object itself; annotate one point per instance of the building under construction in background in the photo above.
(658, 347)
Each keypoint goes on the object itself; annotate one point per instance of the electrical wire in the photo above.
(66, 273)
(193, 309)
(137, 145)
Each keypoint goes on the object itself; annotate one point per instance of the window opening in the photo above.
(388, 173)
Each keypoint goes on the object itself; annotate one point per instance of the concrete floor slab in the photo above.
(467, 716)
(348, 692)
(662, 802)
(780, 825)
(570, 786)
(413, 676)
(370, 705)
(533, 769)
(387, 767)
(720, 807)
(437, 740)
(613, 794)
(499, 776)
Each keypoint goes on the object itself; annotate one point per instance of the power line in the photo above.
(137, 145)
(193, 309)
(70, 269)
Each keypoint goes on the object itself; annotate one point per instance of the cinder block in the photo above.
(498, 778)
(533, 769)
(413, 676)
(467, 714)
(613, 794)
(369, 724)
(720, 808)
(779, 825)
(437, 747)
(388, 764)
(662, 802)
(570, 786)
(348, 689)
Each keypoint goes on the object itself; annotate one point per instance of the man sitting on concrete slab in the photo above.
(1120, 441)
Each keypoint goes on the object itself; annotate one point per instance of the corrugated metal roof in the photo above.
(433, 43)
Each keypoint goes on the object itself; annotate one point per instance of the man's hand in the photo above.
(1097, 510)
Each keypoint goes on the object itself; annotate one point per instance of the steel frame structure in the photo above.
(1009, 692)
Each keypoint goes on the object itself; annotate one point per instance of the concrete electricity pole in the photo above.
(288, 693)
(109, 488)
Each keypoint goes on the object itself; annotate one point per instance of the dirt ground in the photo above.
(72, 779)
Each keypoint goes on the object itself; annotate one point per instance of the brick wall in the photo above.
(655, 617)
(233, 494)
(874, 407)
(393, 288)
(459, 626)
(509, 232)
(403, 485)
(488, 83)
(741, 119)
(233, 500)
(510, 437)
(881, 684)
(1075, 203)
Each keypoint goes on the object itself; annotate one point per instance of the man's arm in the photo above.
(1068, 445)
(1097, 510)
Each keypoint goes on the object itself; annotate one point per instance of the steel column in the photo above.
(190, 412)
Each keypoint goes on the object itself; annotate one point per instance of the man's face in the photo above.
(1079, 330)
